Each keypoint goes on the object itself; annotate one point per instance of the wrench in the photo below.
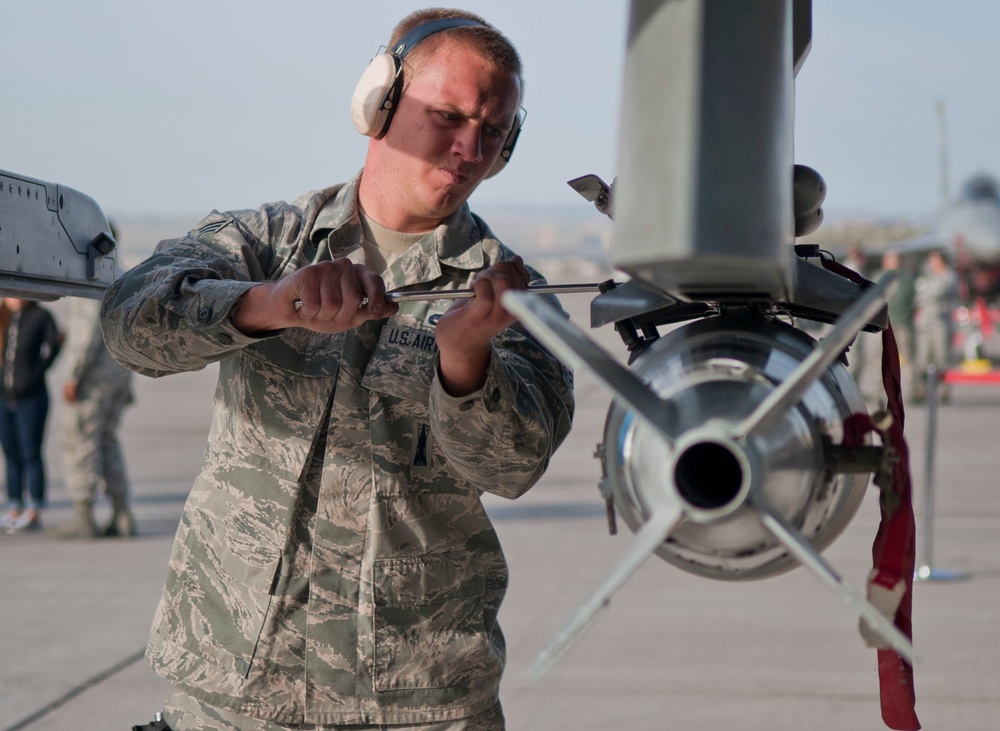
(456, 294)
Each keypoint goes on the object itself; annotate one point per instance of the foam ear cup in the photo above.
(375, 95)
(377, 91)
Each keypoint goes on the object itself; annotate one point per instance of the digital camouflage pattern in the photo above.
(334, 563)
(181, 711)
(92, 454)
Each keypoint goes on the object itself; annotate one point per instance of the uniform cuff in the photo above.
(210, 311)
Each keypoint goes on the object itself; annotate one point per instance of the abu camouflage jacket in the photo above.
(334, 563)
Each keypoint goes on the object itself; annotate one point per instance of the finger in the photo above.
(316, 291)
(522, 271)
(350, 293)
(329, 296)
(513, 273)
(486, 289)
(374, 292)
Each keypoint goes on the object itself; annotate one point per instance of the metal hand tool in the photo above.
(456, 294)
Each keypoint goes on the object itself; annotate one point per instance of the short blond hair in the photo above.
(486, 40)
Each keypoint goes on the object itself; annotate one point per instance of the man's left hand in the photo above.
(464, 332)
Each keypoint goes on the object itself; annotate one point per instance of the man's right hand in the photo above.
(330, 292)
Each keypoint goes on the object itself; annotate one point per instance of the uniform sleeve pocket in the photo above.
(429, 625)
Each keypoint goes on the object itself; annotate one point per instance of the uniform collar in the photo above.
(456, 243)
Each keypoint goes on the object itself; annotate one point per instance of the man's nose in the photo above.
(468, 143)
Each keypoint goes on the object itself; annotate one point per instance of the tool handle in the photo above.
(456, 294)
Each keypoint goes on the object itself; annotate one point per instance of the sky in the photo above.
(176, 108)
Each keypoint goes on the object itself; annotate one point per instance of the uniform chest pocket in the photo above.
(300, 352)
(403, 363)
(276, 392)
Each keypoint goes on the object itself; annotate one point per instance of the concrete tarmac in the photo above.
(672, 651)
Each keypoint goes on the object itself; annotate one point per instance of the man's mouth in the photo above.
(457, 177)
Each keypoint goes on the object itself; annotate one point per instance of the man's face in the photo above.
(446, 134)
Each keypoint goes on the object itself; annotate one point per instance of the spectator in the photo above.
(936, 298)
(29, 344)
(96, 392)
(901, 315)
(860, 361)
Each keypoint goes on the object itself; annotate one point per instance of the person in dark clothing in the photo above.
(29, 344)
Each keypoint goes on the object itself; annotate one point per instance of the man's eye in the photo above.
(494, 132)
(448, 116)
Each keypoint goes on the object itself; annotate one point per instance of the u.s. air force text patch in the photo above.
(408, 338)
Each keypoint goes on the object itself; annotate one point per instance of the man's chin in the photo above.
(450, 198)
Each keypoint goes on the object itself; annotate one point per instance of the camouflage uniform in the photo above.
(91, 450)
(334, 563)
(936, 295)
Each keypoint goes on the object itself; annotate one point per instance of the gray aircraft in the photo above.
(969, 233)
(54, 241)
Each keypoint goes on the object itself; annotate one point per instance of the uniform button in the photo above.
(466, 406)
(225, 339)
(205, 314)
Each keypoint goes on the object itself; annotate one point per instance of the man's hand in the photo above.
(331, 293)
(464, 332)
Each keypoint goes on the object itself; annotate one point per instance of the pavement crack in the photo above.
(75, 691)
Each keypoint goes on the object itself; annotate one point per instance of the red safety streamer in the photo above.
(894, 550)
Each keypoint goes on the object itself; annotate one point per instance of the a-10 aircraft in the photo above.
(54, 241)
(736, 447)
(968, 233)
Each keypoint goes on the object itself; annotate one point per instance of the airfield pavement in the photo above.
(672, 651)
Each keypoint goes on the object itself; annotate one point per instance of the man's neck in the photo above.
(375, 202)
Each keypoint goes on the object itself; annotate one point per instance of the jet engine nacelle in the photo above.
(713, 373)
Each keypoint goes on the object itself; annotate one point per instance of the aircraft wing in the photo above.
(975, 227)
(969, 227)
(54, 241)
(919, 244)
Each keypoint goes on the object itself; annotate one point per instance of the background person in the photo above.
(29, 344)
(865, 369)
(335, 565)
(96, 391)
(902, 309)
(936, 296)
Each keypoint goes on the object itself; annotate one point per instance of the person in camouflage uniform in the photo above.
(935, 297)
(334, 565)
(97, 390)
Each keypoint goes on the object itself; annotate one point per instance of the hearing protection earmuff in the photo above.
(378, 89)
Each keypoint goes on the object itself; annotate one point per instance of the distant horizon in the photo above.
(580, 211)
